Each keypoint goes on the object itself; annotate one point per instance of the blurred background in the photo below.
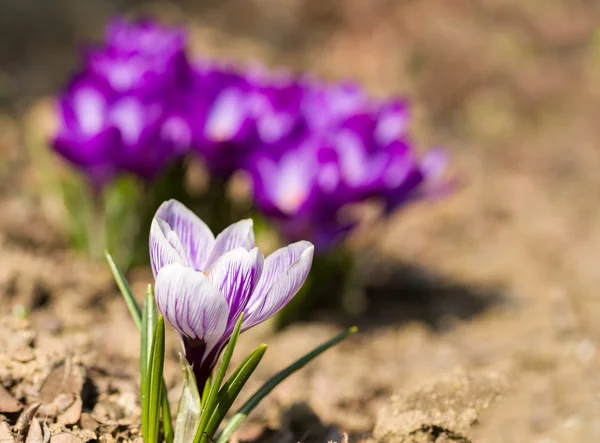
(502, 275)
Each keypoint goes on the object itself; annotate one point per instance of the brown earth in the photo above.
(482, 317)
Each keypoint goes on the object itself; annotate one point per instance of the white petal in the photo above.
(191, 304)
(197, 238)
(238, 235)
(284, 273)
(235, 274)
(165, 246)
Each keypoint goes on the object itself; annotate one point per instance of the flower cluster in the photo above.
(311, 149)
(204, 283)
(125, 111)
(354, 150)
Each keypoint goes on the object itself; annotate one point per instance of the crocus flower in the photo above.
(234, 115)
(141, 57)
(203, 283)
(85, 137)
(127, 110)
(104, 133)
(361, 153)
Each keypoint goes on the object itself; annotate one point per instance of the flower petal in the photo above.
(191, 304)
(197, 238)
(238, 235)
(284, 272)
(236, 274)
(165, 246)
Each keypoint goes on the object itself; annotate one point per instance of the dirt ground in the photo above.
(482, 317)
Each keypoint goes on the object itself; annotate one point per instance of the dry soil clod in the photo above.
(8, 404)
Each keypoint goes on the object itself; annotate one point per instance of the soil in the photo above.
(481, 315)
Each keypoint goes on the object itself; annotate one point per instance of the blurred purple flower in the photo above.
(85, 136)
(235, 115)
(128, 110)
(141, 57)
(105, 133)
(204, 283)
(361, 153)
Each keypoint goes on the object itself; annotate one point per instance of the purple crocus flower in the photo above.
(360, 153)
(140, 57)
(203, 282)
(127, 110)
(85, 137)
(104, 133)
(235, 115)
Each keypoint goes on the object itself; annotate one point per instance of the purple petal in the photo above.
(392, 122)
(434, 164)
(227, 116)
(238, 235)
(165, 246)
(191, 304)
(197, 238)
(284, 272)
(235, 274)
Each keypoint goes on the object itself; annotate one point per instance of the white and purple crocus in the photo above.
(203, 283)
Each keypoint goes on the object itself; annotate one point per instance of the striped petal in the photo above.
(165, 246)
(191, 304)
(236, 274)
(283, 275)
(238, 235)
(197, 238)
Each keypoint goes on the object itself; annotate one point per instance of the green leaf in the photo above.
(134, 308)
(188, 415)
(149, 318)
(154, 382)
(207, 409)
(166, 415)
(243, 412)
(232, 388)
(136, 314)
(206, 391)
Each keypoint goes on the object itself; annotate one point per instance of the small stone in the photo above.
(72, 413)
(63, 401)
(8, 404)
(88, 422)
(23, 355)
(65, 378)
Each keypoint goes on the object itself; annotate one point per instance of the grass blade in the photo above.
(132, 304)
(166, 416)
(243, 412)
(206, 391)
(136, 314)
(149, 319)
(232, 388)
(210, 403)
(155, 382)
